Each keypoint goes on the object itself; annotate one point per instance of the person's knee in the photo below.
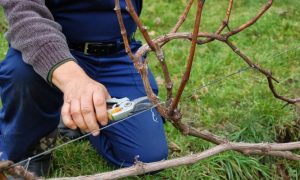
(146, 152)
(153, 154)
(126, 154)
(141, 139)
(128, 157)
(150, 148)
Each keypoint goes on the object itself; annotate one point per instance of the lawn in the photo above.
(240, 108)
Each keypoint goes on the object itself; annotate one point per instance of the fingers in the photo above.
(100, 108)
(5, 164)
(77, 115)
(87, 110)
(66, 116)
(81, 114)
(85, 106)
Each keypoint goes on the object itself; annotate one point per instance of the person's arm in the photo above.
(33, 31)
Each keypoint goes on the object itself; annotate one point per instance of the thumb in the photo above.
(5, 164)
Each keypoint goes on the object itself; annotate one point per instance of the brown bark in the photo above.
(169, 109)
(142, 168)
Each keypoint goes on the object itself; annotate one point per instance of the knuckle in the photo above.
(100, 102)
(86, 110)
(101, 115)
(68, 98)
(75, 113)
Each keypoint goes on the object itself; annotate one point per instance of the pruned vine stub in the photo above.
(169, 109)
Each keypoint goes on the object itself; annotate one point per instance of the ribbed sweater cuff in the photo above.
(48, 56)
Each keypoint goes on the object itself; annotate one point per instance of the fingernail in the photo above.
(104, 123)
(96, 133)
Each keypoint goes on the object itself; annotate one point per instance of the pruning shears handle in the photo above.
(122, 108)
(119, 108)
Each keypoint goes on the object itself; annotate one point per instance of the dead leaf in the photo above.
(160, 81)
(174, 147)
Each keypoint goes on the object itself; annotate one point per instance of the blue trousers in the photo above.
(31, 110)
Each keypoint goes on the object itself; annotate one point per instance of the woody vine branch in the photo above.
(169, 110)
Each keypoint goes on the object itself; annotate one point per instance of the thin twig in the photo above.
(224, 24)
(276, 95)
(154, 47)
(252, 21)
(183, 16)
(187, 73)
(249, 61)
(142, 28)
(124, 32)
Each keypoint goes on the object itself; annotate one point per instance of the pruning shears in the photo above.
(121, 108)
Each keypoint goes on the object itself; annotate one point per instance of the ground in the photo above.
(240, 108)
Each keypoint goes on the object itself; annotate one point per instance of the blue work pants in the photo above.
(31, 109)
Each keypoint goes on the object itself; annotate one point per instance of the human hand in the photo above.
(4, 165)
(84, 99)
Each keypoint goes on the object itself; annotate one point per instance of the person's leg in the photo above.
(141, 136)
(30, 108)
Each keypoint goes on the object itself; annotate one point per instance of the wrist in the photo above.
(50, 73)
(67, 73)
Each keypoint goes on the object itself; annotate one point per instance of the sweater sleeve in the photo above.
(33, 31)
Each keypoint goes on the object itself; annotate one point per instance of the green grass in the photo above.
(3, 28)
(240, 108)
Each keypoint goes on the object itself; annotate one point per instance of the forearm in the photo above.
(33, 31)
